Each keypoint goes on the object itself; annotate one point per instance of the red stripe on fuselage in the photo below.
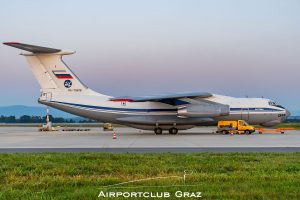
(122, 100)
(11, 43)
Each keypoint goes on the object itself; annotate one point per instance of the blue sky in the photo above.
(138, 47)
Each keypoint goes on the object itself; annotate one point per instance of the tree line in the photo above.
(39, 119)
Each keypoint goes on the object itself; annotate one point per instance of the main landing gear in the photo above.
(158, 131)
(173, 131)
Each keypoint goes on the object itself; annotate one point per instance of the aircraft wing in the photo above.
(169, 98)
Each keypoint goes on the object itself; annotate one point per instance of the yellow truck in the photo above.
(235, 126)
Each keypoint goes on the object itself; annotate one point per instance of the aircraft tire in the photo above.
(158, 131)
(173, 131)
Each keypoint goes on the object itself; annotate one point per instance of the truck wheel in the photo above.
(224, 132)
(247, 132)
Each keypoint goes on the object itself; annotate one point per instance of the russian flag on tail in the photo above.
(62, 74)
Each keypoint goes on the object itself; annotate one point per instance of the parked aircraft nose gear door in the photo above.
(245, 114)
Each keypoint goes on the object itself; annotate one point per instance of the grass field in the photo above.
(84, 175)
(289, 125)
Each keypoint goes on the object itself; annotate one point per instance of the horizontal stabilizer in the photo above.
(32, 48)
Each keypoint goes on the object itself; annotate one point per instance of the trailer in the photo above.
(276, 130)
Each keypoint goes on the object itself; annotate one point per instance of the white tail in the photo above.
(53, 75)
(49, 69)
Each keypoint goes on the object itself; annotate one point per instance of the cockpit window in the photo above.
(273, 103)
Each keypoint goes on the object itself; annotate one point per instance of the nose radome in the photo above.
(287, 113)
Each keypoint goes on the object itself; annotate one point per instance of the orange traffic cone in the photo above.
(114, 136)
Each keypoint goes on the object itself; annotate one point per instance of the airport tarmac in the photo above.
(28, 139)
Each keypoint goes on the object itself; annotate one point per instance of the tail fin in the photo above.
(49, 69)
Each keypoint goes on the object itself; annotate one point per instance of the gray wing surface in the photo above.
(159, 98)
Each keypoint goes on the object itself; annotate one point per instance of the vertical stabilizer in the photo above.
(52, 73)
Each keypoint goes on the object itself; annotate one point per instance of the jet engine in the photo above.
(204, 110)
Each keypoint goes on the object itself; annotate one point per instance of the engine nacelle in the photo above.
(204, 110)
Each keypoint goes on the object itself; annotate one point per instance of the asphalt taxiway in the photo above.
(28, 139)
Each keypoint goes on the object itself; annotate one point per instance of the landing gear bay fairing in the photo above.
(63, 90)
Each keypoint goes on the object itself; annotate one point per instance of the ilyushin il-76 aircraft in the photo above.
(63, 90)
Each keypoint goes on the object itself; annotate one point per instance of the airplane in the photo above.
(63, 90)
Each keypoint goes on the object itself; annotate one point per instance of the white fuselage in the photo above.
(147, 115)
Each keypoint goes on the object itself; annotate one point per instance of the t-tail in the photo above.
(53, 75)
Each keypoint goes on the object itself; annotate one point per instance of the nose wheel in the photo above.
(173, 131)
